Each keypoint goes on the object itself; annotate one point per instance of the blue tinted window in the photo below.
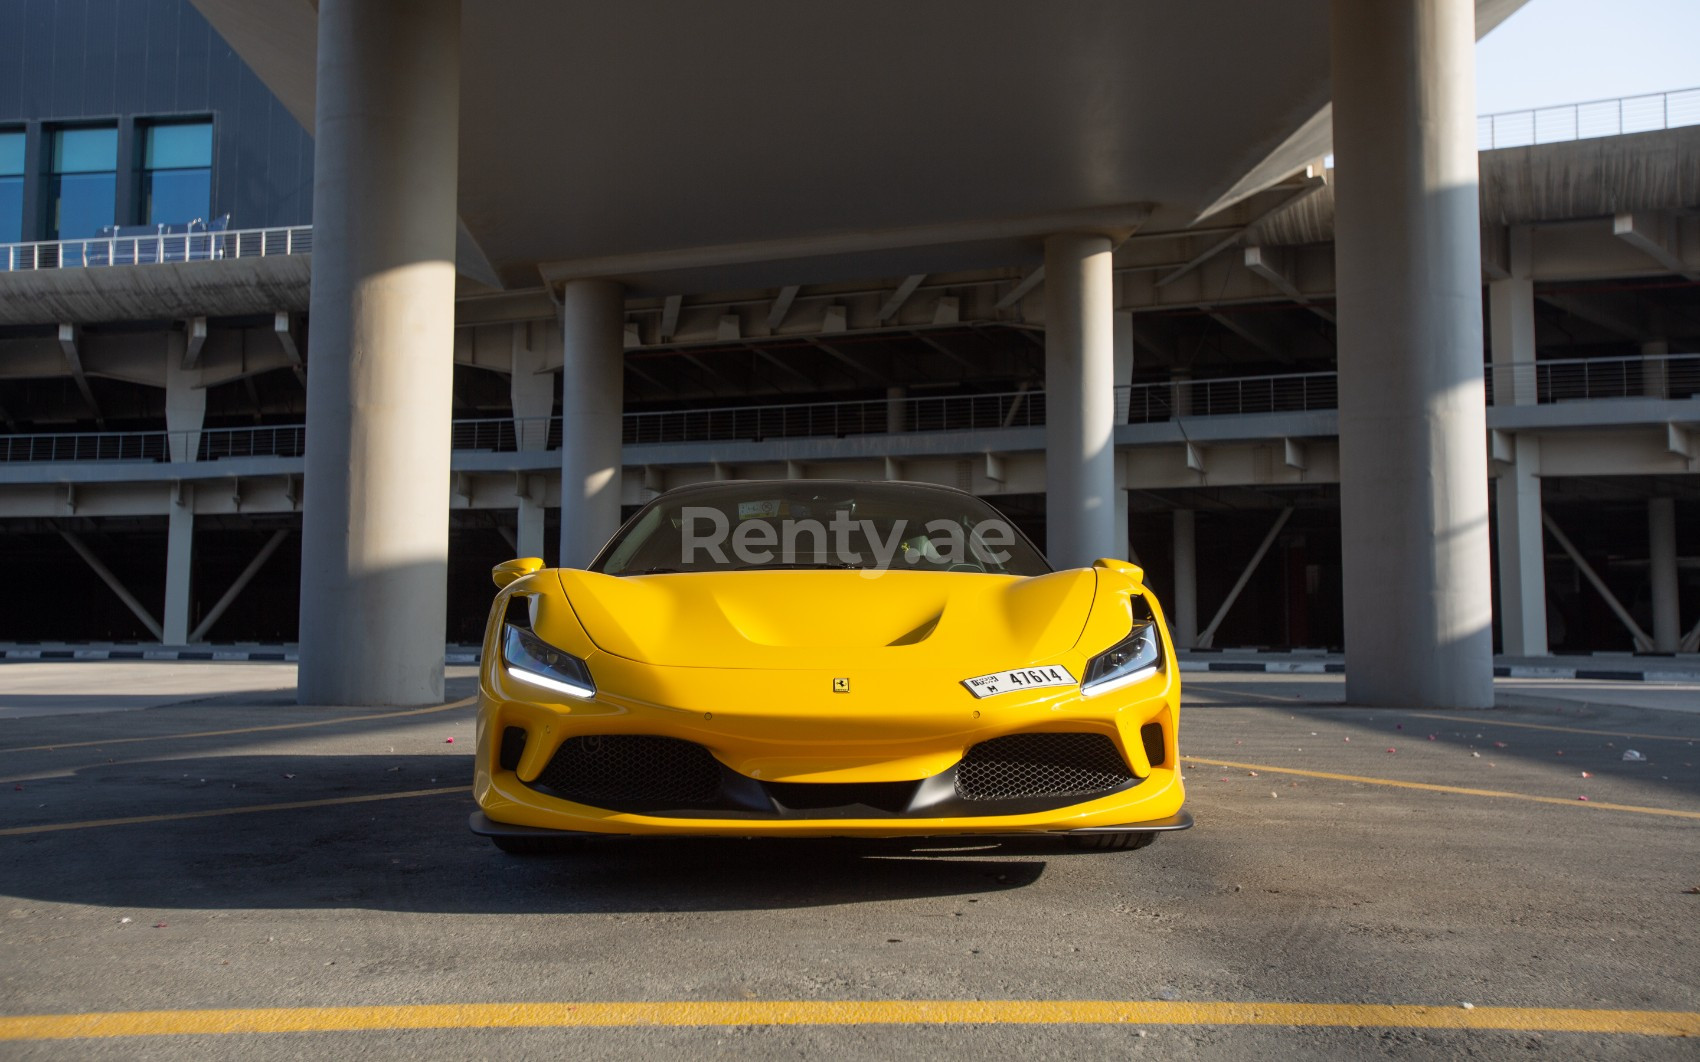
(82, 204)
(11, 154)
(11, 186)
(177, 173)
(85, 150)
(174, 197)
(179, 146)
(11, 209)
(83, 190)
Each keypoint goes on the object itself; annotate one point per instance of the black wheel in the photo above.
(535, 846)
(1111, 842)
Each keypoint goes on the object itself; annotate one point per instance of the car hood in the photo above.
(795, 620)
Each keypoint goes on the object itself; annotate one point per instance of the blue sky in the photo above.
(1571, 51)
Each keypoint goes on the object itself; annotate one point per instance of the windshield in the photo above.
(802, 524)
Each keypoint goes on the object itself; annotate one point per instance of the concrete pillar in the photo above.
(1124, 527)
(179, 566)
(1080, 464)
(185, 402)
(1414, 513)
(1522, 552)
(531, 390)
(1655, 368)
(896, 409)
(374, 553)
(528, 539)
(592, 399)
(1511, 321)
(1122, 339)
(1183, 605)
(185, 413)
(1661, 524)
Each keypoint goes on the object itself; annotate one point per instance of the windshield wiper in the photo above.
(814, 565)
(651, 571)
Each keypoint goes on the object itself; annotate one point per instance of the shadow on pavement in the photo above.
(416, 854)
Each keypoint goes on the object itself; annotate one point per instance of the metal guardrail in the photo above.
(1583, 121)
(1671, 376)
(1586, 379)
(154, 249)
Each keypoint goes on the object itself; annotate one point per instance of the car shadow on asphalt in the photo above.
(415, 853)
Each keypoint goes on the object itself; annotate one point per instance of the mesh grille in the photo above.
(1031, 765)
(629, 771)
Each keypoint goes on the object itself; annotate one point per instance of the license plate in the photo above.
(1022, 678)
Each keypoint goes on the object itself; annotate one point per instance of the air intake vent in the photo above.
(631, 772)
(1038, 765)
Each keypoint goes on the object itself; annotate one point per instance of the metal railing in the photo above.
(1584, 379)
(1582, 121)
(154, 249)
(839, 419)
(1289, 393)
(1670, 376)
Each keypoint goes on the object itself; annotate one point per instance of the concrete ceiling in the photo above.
(663, 141)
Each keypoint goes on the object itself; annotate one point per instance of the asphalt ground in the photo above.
(239, 876)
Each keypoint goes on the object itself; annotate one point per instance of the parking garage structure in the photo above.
(1292, 397)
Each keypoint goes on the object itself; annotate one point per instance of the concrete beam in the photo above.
(1310, 186)
(1265, 262)
(283, 324)
(1654, 235)
(195, 338)
(891, 306)
(781, 307)
(70, 338)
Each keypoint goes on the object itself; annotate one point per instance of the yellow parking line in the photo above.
(1433, 788)
(849, 1012)
(462, 703)
(1489, 721)
(248, 809)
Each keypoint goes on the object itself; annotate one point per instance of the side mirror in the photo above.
(1132, 571)
(507, 571)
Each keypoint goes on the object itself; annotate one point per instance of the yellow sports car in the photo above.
(825, 658)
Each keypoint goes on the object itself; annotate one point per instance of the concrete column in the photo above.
(185, 413)
(1124, 527)
(179, 566)
(374, 554)
(592, 399)
(1522, 553)
(1122, 338)
(531, 388)
(1511, 320)
(531, 383)
(185, 402)
(1414, 514)
(1655, 370)
(896, 409)
(528, 539)
(1080, 464)
(1661, 524)
(1183, 605)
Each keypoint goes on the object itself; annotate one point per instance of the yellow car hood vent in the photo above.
(806, 620)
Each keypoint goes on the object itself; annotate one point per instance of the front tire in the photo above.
(1113, 842)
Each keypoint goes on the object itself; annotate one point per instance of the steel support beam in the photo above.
(1207, 637)
(239, 584)
(114, 585)
(1641, 640)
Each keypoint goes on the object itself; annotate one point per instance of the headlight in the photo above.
(1135, 657)
(531, 659)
